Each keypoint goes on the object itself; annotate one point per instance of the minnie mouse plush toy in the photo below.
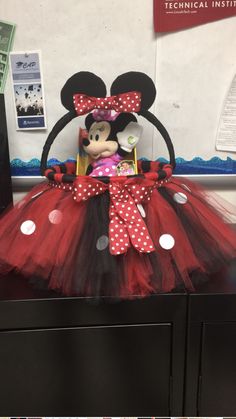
(110, 140)
(108, 235)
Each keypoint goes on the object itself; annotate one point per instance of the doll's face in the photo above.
(99, 131)
(97, 145)
(125, 166)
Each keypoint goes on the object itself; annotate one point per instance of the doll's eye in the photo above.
(96, 137)
(91, 136)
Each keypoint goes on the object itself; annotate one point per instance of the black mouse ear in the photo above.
(135, 81)
(89, 120)
(120, 123)
(123, 120)
(82, 82)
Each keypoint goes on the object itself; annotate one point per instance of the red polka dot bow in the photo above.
(126, 223)
(124, 102)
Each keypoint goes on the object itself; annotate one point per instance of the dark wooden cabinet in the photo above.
(210, 358)
(167, 355)
(78, 357)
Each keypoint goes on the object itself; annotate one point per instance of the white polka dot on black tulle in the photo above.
(102, 242)
(180, 198)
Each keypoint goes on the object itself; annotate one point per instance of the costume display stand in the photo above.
(5, 174)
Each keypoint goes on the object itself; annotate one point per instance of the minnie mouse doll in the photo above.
(109, 141)
(108, 235)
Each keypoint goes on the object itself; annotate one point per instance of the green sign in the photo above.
(6, 38)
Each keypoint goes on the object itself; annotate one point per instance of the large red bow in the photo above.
(126, 223)
(124, 102)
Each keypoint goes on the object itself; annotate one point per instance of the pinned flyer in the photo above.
(226, 135)
(27, 83)
(6, 39)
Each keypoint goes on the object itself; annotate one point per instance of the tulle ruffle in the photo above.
(50, 237)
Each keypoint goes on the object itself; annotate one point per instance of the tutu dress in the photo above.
(119, 236)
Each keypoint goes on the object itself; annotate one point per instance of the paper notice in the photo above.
(226, 135)
(27, 83)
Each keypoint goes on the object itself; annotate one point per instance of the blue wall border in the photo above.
(196, 166)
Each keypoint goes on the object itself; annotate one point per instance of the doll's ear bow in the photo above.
(136, 81)
(82, 82)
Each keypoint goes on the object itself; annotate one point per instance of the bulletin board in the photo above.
(192, 69)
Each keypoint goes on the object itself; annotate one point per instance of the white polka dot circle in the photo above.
(28, 227)
(102, 242)
(55, 217)
(166, 241)
(180, 198)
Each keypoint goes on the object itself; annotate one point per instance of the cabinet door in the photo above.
(89, 371)
(211, 365)
(104, 368)
(5, 176)
(218, 369)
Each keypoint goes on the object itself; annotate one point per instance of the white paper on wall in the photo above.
(226, 135)
(27, 85)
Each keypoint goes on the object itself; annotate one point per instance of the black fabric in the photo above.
(63, 168)
(157, 273)
(161, 174)
(104, 275)
(145, 165)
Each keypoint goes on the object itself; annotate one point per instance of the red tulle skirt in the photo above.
(52, 236)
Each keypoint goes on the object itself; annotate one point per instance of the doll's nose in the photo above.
(86, 142)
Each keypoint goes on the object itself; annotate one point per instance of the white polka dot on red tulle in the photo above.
(28, 227)
(166, 241)
(55, 216)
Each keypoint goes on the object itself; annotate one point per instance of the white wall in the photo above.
(107, 37)
(192, 69)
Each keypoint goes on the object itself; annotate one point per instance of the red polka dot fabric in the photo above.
(124, 102)
(126, 223)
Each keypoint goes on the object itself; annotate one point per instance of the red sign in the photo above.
(173, 15)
